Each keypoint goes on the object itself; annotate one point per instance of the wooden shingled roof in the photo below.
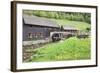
(39, 21)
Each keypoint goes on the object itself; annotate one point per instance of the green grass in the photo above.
(70, 49)
(77, 24)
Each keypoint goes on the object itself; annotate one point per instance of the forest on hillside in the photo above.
(73, 16)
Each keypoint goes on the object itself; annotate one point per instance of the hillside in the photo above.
(81, 21)
(77, 24)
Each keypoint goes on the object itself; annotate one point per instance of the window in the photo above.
(30, 35)
(41, 35)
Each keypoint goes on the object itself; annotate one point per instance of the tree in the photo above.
(88, 29)
(74, 16)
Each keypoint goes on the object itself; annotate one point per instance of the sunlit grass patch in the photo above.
(70, 49)
(77, 24)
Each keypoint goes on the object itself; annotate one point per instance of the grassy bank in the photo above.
(77, 24)
(69, 49)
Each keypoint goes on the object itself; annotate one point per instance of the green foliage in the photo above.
(74, 16)
(70, 49)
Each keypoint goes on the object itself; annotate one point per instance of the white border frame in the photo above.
(35, 65)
